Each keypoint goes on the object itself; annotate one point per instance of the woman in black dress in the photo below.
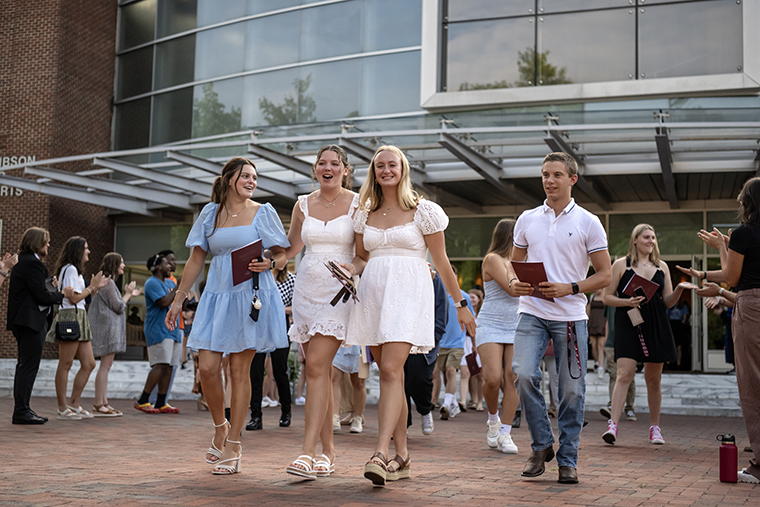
(650, 342)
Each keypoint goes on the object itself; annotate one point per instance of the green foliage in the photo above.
(527, 64)
(293, 110)
(484, 86)
(210, 117)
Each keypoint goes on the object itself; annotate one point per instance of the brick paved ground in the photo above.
(158, 460)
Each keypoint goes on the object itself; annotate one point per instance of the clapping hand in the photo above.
(131, 290)
(712, 302)
(8, 261)
(691, 272)
(715, 238)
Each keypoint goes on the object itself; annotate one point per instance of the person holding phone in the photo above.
(642, 333)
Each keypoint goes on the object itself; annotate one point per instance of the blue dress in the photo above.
(497, 319)
(221, 321)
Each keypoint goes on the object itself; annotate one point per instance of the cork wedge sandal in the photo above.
(399, 468)
(376, 469)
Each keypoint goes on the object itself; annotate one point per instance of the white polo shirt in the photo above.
(564, 244)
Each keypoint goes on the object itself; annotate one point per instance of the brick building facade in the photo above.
(56, 83)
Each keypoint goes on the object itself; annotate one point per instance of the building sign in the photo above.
(23, 159)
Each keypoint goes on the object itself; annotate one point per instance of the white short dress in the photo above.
(396, 289)
(315, 287)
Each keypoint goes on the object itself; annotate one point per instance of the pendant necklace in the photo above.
(236, 214)
(388, 210)
(329, 203)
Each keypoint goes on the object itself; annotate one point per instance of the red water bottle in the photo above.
(728, 458)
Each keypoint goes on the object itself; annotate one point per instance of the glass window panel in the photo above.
(330, 30)
(175, 62)
(261, 6)
(175, 16)
(469, 237)
(547, 6)
(217, 107)
(278, 34)
(216, 11)
(333, 88)
(172, 116)
(137, 243)
(723, 220)
(137, 23)
(676, 232)
(569, 55)
(220, 52)
(135, 74)
(132, 125)
(390, 84)
(697, 38)
(490, 54)
(271, 98)
(481, 9)
(391, 24)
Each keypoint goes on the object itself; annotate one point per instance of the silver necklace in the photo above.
(236, 214)
(388, 210)
(322, 200)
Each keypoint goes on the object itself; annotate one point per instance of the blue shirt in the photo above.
(154, 327)
(454, 337)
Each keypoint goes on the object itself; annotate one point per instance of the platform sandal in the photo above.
(303, 466)
(214, 450)
(376, 471)
(323, 466)
(221, 469)
(398, 468)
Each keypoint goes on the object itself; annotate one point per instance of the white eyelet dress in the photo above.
(315, 286)
(396, 289)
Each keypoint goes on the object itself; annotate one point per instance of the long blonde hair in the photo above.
(371, 193)
(633, 253)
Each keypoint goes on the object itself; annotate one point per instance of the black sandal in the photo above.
(376, 472)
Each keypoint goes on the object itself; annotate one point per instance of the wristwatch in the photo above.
(575, 287)
(461, 304)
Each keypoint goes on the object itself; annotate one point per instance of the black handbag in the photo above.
(68, 330)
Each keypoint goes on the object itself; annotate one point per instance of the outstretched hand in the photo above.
(691, 272)
(712, 302)
(709, 289)
(715, 238)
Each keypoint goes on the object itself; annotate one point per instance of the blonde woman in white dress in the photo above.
(395, 229)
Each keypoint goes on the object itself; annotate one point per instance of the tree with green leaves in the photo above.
(210, 116)
(293, 110)
(527, 63)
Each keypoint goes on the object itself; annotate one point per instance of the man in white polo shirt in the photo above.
(564, 237)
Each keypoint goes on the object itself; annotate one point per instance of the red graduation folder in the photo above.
(637, 281)
(241, 258)
(533, 273)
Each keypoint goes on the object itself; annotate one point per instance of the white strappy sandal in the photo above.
(213, 450)
(221, 469)
(307, 472)
(323, 466)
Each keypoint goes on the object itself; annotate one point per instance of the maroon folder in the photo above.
(533, 273)
(637, 281)
(241, 258)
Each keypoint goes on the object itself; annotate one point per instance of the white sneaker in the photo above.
(336, 423)
(600, 373)
(744, 476)
(427, 424)
(274, 403)
(68, 415)
(266, 401)
(356, 424)
(300, 400)
(492, 435)
(506, 445)
(81, 412)
(454, 409)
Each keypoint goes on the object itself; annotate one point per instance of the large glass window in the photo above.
(276, 98)
(547, 6)
(391, 24)
(273, 40)
(334, 89)
(330, 30)
(490, 54)
(136, 243)
(215, 11)
(220, 52)
(259, 6)
(137, 23)
(135, 73)
(175, 60)
(217, 107)
(175, 16)
(172, 116)
(132, 125)
(688, 39)
(483, 9)
(390, 84)
(676, 232)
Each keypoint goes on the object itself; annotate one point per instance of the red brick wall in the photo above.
(56, 83)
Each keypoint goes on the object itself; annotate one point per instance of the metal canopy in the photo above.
(472, 168)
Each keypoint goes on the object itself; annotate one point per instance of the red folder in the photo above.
(241, 258)
(533, 273)
(637, 281)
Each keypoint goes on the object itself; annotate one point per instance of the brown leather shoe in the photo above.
(568, 475)
(535, 464)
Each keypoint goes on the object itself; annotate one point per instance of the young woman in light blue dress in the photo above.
(222, 323)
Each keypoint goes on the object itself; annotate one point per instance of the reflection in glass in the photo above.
(136, 243)
(390, 84)
(175, 60)
(330, 30)
(271, 98)
(175, 16)
(547, 6)
(260, 6)
(217, 107)
(334, 88)
(137, 23)
(482, 9)
(391, 24)
(216, 11)
(172, 116)
(273, 40)
(469, 237)
(572, 55)
(697, 38)
(676, 232)
(220, 51)
(135, 74)
(489, 54)
(132, 125)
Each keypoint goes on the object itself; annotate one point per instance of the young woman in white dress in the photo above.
(323, 223)
(395, 229)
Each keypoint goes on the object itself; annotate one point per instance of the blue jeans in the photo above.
(531, 339)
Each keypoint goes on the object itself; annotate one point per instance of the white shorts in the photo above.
(166, 352)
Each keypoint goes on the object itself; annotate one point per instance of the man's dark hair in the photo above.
(165, 252)
(34, 240)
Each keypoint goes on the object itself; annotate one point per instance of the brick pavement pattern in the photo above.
(139, 459)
